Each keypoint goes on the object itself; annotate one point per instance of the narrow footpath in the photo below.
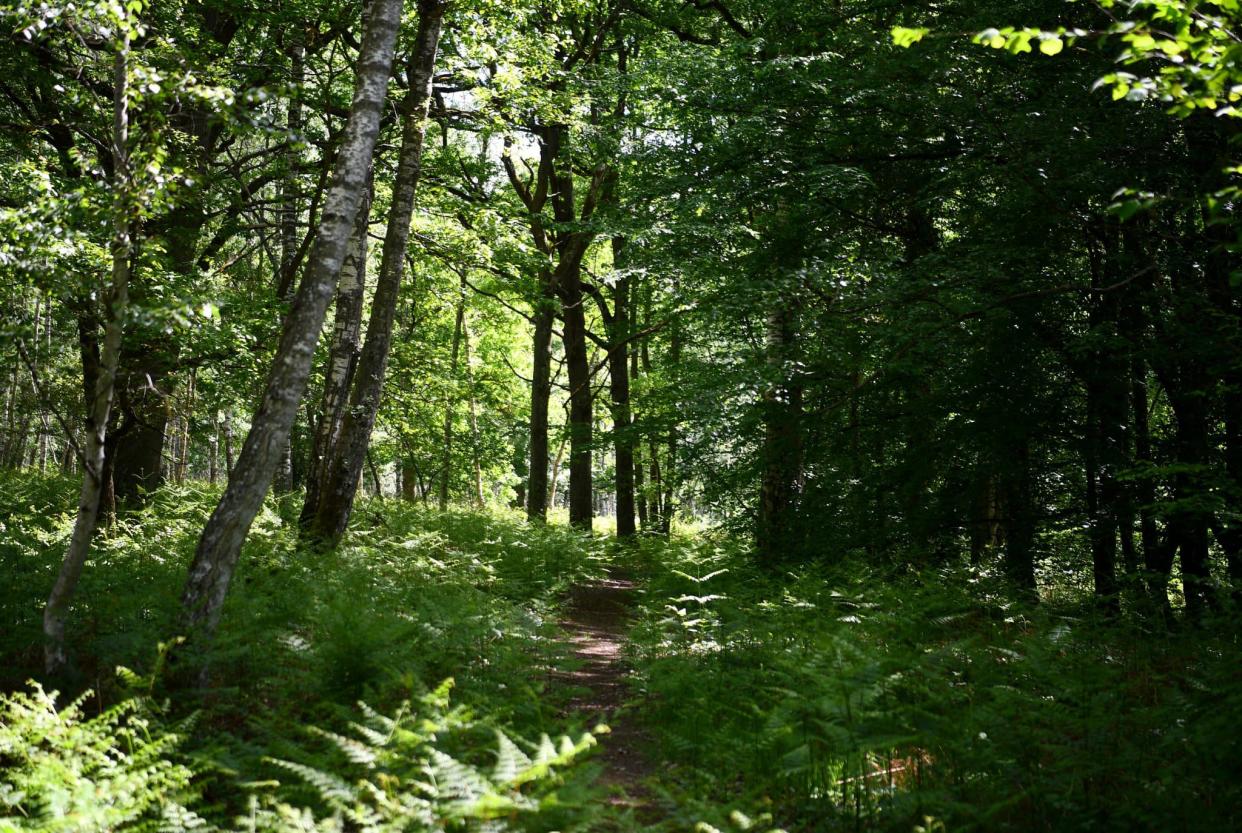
(595, 626)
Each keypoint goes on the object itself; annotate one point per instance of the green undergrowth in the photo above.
(412, 598)
(847, 699)
(807, 699)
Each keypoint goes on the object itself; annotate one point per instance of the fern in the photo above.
(397, 777)
(64, 773)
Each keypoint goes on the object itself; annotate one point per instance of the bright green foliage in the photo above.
(398, 778)
(65, 772)
(414, 597)
(120, 771)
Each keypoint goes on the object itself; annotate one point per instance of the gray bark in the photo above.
(342, 358)
(345, 463)
(215, 559)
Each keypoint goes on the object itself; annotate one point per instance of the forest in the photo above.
(620, 415)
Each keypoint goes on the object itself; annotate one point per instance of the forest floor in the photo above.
(595, 626)
(737, 699)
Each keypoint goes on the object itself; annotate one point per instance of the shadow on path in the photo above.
(595, 625)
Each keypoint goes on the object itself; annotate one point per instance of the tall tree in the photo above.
(123, 214)
(215, 558)
(344, 463)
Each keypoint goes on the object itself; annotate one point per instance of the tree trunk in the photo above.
(215, 558)
(581, 407)
(540, 394)
(640, 487)
(54, 614)
(473, 414)
(619, 389)
(347, 458)
(228, 446)
(342, 357)
(1106, 417)
(776, 535)
(289, 211)
(1020, 517)
(1189, 524)
(556, 467)
(521, 464)
(446, 459)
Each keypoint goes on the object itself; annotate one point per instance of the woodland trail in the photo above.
(595, 627)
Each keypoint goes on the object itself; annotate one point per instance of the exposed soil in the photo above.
(595, 625)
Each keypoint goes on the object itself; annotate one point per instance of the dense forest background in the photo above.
(889, 355)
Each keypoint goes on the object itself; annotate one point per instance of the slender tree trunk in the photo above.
(473, 414)
(1190, 522)
(581, 408)
(409, 481)
(215, 559)
(450, 403)
(290, 190)
(54, 614)
(674, 439)
(655, 491)
(342, 357)
(228, 446)
(1020, 515)
(346, 460)
(619, 389)
(540, 394)
(290, 194)
(1106, 418)
(640, 487)
(183, 458)
(521, 464)
(556, 467)
(213, 452)
(776, 536)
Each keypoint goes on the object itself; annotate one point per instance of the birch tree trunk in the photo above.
(342, 358)
(345, 464)
(55, 655)
(215, 559)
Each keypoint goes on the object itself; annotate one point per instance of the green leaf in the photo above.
(1051, 45)
(905, 37)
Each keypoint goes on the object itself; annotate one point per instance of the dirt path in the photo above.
(595, 625)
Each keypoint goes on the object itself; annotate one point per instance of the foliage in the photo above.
(120, 771)
(64, 771)
(467, 595)
(847, 699)
(398, 779)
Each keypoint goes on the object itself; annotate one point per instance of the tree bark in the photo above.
(1106, 417)
(346, 460)
(475, 451)
(775, 530)
(540, 394)
(1020, 520)
(342, 357)
(619, 389)
(581, 409)
(54, 614)
(446, 459)
(640, 487)
(215, 558)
